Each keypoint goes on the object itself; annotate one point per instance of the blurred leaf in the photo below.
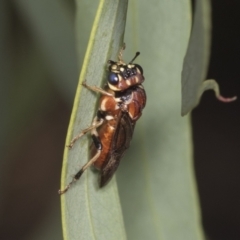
(86, 9)
(87, 211)
(54, 37)
(156, 178)
(196, 60)
(26, 98)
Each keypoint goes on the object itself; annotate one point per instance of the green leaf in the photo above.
(196, 60)
(156, 177)
(87, 211)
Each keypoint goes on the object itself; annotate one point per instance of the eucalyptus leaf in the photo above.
(87, 211)
(156, 177)
(196, 60)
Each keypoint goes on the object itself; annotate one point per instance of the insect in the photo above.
(120, 106)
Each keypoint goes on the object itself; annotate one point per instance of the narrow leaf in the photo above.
(196, 60)
(87, 211)
(156, 177)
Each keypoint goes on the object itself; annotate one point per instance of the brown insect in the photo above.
(123, 99)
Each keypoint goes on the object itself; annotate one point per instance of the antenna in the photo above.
(136, 55)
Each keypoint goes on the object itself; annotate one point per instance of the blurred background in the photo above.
(39, 72)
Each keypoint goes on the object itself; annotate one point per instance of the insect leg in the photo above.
(97, 89)
(80, 172)
(98, 145)
(97, 121)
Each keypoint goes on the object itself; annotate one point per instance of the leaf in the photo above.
(87, 211)
(53, 34)
(156, 177)
(196, 60)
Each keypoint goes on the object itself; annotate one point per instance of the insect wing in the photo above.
(120, 143)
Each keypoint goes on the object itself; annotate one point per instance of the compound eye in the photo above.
(113, 78)
(139, 67)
